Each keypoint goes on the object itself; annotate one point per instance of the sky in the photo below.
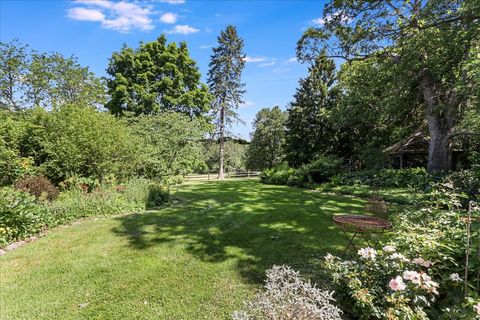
(93, 29)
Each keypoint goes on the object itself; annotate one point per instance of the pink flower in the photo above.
(413, 276)
(397, 284)
(476, 308)
(423, 263)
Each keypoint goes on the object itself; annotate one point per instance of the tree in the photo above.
(172, 144)
(70, 141)
(13, 68)
(224, 80)
(268, 139)
(155, 78)
(376, 107)
(235, 155)
(432, 41)
(308, 133)
(31, 79)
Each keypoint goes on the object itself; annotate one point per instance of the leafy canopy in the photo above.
(155, 78)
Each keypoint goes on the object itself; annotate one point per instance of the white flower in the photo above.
(428, 284)
(389, 248)
(455, 277)
(423, 263)
(329, 257)
(398, 256)
(368, 253)
(397, 284)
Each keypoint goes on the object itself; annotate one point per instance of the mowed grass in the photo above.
(198, 259)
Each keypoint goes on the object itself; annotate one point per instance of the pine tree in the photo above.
(224, 80)
(308, 132)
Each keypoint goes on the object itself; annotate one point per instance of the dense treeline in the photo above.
(410, 67)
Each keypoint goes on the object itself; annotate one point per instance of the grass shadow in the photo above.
(254, 225)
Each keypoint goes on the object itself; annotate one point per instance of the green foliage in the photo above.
(32, 79)
(158, 195)
(12, 164)
(268, 139)
(309, 131)
(155, 78)
(432, 48)
(426, 242)
(171, 144)
(318, 171)
(234, 158)
(21, 216)
(412, 177)
(91, 143)
(38, 186)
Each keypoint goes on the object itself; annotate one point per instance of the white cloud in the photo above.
(291, 60)
(84, 14)
(120, 16)
(206, 46)
(173, 1)
(277, 70)
(248, 59)
(267, 64)
(183, 29)
(247, 104)
(169, 17)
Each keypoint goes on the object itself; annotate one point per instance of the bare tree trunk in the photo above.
(441, 124)
(222, 138)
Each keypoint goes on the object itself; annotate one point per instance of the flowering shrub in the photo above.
(419, 273)
(385, 284)
(288, 297)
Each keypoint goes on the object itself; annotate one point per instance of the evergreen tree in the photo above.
(224, 80)
(308, 134)
(156, 78)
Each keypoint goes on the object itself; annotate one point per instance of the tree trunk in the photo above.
(441, 124)
(440, 147)
(222, 138)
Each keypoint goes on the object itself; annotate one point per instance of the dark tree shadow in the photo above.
(258, 225)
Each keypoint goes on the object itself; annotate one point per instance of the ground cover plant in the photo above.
(199, 258)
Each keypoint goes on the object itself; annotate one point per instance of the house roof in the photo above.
(415, 143)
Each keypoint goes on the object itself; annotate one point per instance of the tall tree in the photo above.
(434, 41)
(31, 79)
(268, 139)
(308, 134)
(156, 78)
(226, 86)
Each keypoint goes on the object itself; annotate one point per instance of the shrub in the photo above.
(157, 196)
(416, 274)
(38, 186)
(287, 296)
(413, 177)
(317, 171)
(104, 200)
(21, 216)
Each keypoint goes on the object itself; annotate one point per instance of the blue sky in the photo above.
(93, 29)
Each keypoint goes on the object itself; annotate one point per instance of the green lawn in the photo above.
(197, 259)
